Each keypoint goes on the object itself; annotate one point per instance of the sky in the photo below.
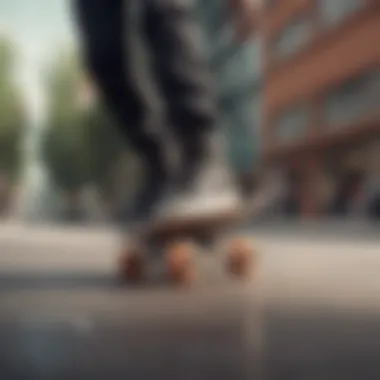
(37, 27)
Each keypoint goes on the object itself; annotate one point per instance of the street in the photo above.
(310, 312)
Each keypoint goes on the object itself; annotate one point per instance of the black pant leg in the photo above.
(179, 66)
(103, 31)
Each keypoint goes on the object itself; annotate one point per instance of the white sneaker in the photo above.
(213, 192)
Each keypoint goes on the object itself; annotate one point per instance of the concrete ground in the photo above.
(310, 312)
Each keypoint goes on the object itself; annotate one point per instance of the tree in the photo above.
(12, 120)
(103, 145)
(62, 146)
(81, 145)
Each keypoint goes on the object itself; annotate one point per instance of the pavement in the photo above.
(310, 312)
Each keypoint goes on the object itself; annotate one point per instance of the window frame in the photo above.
(363, 90)
(300, 18)
(326, 24)
(278, 137)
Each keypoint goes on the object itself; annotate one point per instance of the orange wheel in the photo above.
(179, 261)
(132, 264)
(240, 257)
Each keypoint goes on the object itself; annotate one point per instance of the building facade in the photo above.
(321, 102)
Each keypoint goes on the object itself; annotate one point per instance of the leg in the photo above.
(102, 27)
(182, 77)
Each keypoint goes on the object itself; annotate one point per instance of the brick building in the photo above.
(321, 95)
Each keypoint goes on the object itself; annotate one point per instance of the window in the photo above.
(334, 11)
(354, 100)
(373, 91)
(341, 106)
(292, 125)
(292, 38)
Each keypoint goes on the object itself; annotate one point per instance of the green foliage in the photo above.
(7, 57)
(79, 144)
(62, 155)
(12, 113)
(102, 142)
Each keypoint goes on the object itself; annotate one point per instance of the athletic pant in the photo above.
(178, 67)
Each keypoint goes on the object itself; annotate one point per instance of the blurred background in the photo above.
(299, 98)
(298, 85)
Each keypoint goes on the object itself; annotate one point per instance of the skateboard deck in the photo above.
(178, 241)
(201, 227)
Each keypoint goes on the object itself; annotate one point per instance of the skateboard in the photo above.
(177, 241)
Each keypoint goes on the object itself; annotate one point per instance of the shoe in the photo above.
(208, 187)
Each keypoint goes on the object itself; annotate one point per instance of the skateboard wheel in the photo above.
(179, 263)
(240, 257)
(132, 265)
